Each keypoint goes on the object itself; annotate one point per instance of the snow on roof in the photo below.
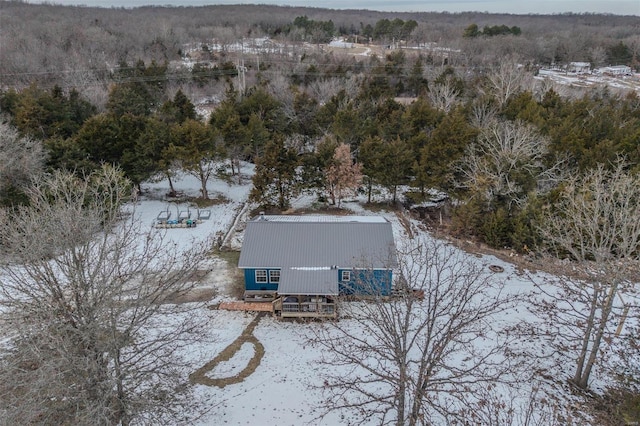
(310, 268)
(321, 219)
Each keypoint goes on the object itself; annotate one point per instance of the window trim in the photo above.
(274, 271)
(261, 279)
(345, 276)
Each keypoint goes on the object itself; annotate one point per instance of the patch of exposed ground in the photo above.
(222, 278)
(200, 375)
(198, 294)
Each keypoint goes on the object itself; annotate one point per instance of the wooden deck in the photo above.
(284, 310)
(246, 306)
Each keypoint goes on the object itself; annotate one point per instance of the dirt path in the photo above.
(200, 375)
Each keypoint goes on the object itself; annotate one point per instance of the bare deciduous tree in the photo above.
(623, 364)
(506, 161)
(325, 89)
(627, 364)
(507, 79)
(526, 408)
(598, 55)
(343, 174)
(88, 82)
(88, 301)
(596, 224)
(417, 357)
(483, 114)
(443, 96)
(280, 88)
(542, 86)
(22, 158)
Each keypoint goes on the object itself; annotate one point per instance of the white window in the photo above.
(345, 276)
(261, 275)
(274, 276)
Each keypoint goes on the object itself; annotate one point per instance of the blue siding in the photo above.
(366, 282)
(363, 282)
(251, 284)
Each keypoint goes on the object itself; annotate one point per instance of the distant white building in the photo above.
(579, 67)
(615, 70)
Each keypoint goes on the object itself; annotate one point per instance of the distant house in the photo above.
(615, 70)
(303, 263)
(579, 67)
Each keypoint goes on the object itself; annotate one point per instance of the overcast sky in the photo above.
(616, 7)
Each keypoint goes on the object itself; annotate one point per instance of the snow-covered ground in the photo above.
(629, 82)
(281, 391)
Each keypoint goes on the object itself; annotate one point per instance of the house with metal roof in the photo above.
(579, 67)
(302, 263)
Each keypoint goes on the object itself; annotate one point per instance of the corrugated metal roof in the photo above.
(308, 281)
(321, 218)
(307, 243)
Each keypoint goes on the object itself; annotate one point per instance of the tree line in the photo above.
(497, 142)
(79, 46)
(474, 31)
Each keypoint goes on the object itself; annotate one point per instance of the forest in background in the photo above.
(76, 46)
(122, 86)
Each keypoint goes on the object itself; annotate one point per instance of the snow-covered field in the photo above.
(281, 391)
(630, 82)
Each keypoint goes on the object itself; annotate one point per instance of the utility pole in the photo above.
(241, 69)
(241, 79)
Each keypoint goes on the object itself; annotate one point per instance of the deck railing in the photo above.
(308, 309)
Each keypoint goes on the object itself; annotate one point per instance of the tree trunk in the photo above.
(606, 312)
(415, 409)
(121, 411)
(203, 188)
(422, 382)
(402, 393)
(238, 171)
(281, 197)
(172, 190)
(233, 166)
(577, 378)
